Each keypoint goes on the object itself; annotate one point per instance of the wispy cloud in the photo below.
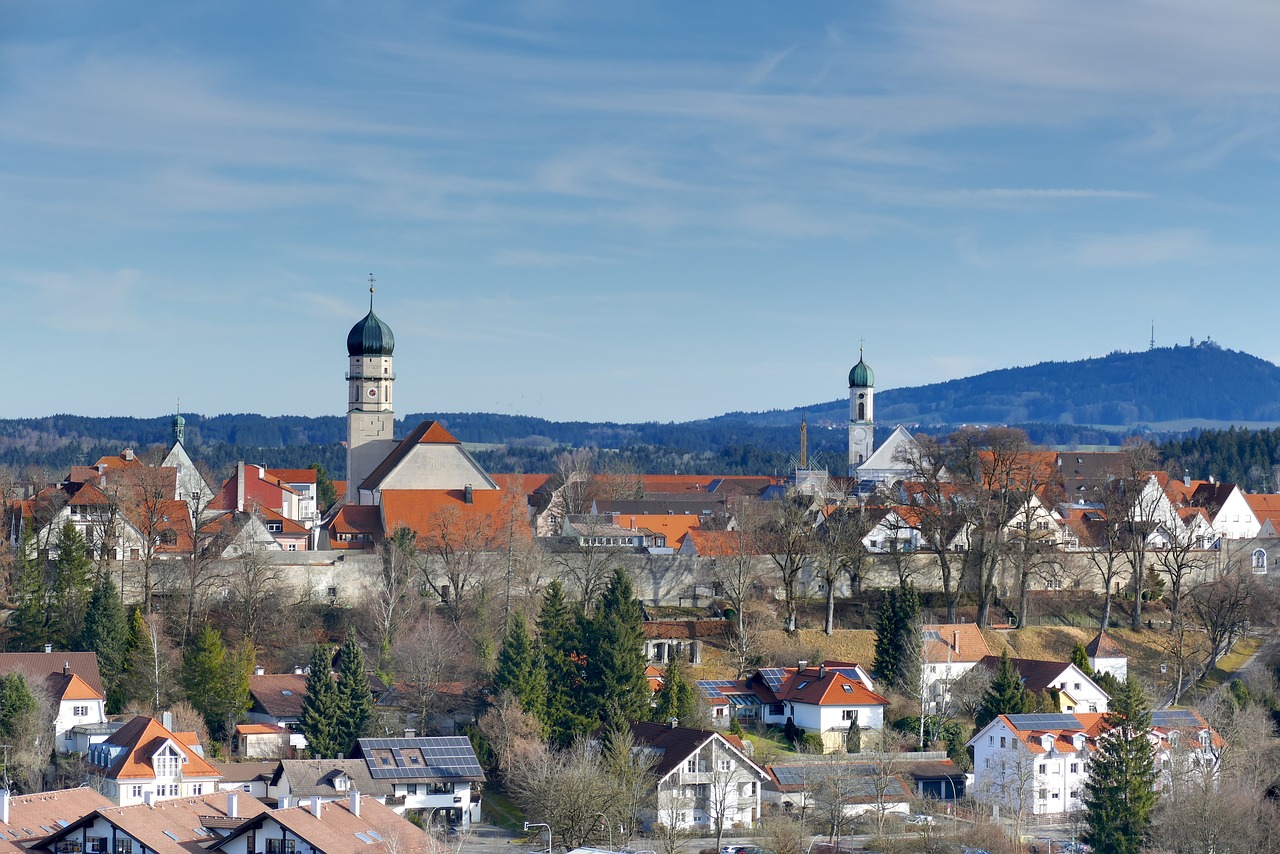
(1141, 249)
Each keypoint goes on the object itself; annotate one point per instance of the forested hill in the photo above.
(1204, 382)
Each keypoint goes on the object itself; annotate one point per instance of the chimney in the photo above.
(4, 806)
(128, 455)
(315, 806)
(297, 671)
(66, 668)
(283, 803)
(355, 803)
(1186, 478)
(233, 806)
(955, 641)
(240, 486)
(149, 798)
(467, 495)
(633, 523)
(673, 722)
(822, 671)
(166, 720)
(259, 671)
(410, 733)
(48, 647)
(803, 663)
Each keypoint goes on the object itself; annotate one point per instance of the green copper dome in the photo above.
(371, 336)
(862, 376)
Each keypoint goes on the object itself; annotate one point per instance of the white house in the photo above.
(1106, 656)
(428, 774)
(144, 762)
(949, 650)
(73, 682)
(1037, 764)
(1075, 690)
(181, 826)
(703, 778)
(863, 786)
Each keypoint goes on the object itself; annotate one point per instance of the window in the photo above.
(340, 783)
(1044, 794)
(124, 845)
(411, 789)
(991, 740)
(1075, 767)
(1056, 795)
(96, 844)
(1002, 744)
(293, 547)
(1044, 769)
(197, 788)
(726, 765)
(848, 715)
(135, 791)
(80, 711)
(1076, 686)
(848, 689)
(281, 846)
(1075, 793)
(691, 766)
(166, 762)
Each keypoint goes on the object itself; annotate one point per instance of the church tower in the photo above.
(370, 419)
(862, 420)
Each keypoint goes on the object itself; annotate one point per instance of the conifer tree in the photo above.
(71, 587)
(106, 632)
(1080, 658)
(16, 702)
(617, 688)
(521, 670)
(559, 635)
(1006, 694)
(29, 622)
(321, 707)
(355, 700)
(676, 698)
(204, 668)
(1120, 794)
(895, 626)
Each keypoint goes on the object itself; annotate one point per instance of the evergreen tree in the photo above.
(234, 695)
(326, 492)
(29, 622)
(1006, 694)
(354, 698)
(106, 632)
(1080, 658)
(895, 627)
(617, 689)
(203, 666)
(16, 703)
(676, 698)
(1120, 794)
(521, 670)
(71, 587)
(321, 707)
(559, 635)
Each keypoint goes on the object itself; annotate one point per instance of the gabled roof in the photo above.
(357, 519)
(29, 814)
(334, 832)
(423, 759)
(1037, 675)
(717, 543)
(1102, 646)
(68, 686)
(429, 512)
(141, 738)
(426, 433)
(954, 642)
(683, 629)
(676, 744)
(170, 826)
(858, 782)
(278, 694)
(293, 475)
(671, 526)
(37, 667)
(317, 777)
(247, 772)
(823, 686)
(288, 526)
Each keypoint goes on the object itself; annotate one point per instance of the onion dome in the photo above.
(371, 336)
(861, 376)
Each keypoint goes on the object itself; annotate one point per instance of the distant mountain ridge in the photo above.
(1203, 382)
(1170, 389)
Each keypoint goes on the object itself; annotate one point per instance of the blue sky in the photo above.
(615, 211)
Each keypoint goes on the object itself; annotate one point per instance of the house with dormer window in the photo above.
(352, 825)
(439, 774)
(174, 826)
(144, 762)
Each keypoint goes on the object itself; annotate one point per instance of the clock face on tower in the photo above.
(859, 433)
(372, 392)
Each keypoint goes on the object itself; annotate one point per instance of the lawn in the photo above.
(500, 810)
(1228, 665)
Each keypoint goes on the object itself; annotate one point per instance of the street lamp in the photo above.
(529, 824)
(812, 843)
(608, 827)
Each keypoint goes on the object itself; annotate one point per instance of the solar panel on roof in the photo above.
(1024, 722)
(1175, 718)
(773, 677)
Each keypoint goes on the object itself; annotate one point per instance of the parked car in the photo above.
(920, 820)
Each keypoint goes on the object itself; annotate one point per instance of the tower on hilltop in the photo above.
(862, 421)
(371, 420)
